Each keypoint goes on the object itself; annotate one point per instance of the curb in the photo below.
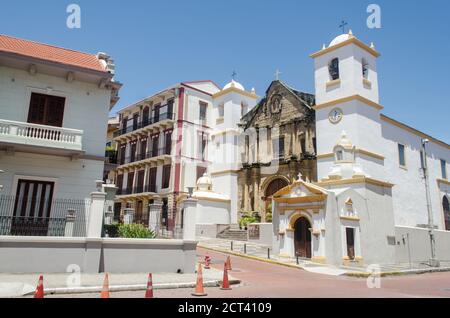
(399, 273)
(137, 287)
(349, 274)
(252, 257)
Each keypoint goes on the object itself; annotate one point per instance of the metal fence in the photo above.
(33, 216)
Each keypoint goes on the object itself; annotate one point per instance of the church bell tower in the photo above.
(346, 86)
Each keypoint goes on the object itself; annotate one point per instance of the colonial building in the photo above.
(111, 150)
(279, 142)
(171, 139)
(382, 192)
(54, 106)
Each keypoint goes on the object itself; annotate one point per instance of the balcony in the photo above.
(43, 139)
(136, 192)
(155, 155)
(169, 116)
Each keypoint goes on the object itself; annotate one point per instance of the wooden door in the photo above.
(302, 238)
(350, 233)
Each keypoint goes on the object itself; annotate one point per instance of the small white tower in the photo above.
(230, 104)
(347, 99)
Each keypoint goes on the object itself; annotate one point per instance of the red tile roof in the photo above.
(50, 53)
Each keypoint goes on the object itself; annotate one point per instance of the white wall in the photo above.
(419, 249)
(86, 108)
(212, 212)
(74, 179)
(409, 191)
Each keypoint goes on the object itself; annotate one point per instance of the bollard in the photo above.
(268, 253)
(231, 245)
(245, 248)
(298, 263)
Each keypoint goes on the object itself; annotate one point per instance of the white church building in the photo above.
(370, 202)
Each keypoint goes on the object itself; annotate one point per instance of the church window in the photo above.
(339, 155)
(221, 110)
(365, 68)
(446, 208)
(401, 155)
(443, 169)
(333, 69)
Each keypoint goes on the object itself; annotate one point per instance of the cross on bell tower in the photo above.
(343, 25)
(233, 75)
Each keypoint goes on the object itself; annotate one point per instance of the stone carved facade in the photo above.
(279, 144)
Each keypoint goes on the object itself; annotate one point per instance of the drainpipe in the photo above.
(433, 261)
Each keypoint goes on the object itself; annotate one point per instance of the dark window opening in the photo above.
(46, 110)
(334, 69)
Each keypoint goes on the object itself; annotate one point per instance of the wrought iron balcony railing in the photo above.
(144, 123)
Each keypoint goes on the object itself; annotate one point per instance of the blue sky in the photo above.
(159, 43)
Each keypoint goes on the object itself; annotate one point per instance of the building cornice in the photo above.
(234, 90)
(364, 180)
(357, 150)
(360, 98)
(413, 131)
(305, 199)
(352, 40)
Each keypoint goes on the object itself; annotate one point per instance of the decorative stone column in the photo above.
(70, 223)
(189, 208)
(95, 224)
(154, 215)
(129, 216)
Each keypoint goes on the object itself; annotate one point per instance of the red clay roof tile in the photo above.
(50, 53)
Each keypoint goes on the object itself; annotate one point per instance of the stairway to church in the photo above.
(233, 233)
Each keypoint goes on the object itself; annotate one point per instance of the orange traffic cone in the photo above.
(225, 282)
(149, 291)
(199, 290)
(39, 293)
(105, 290)
(229, 263)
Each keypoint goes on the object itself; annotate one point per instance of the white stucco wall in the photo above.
(86, 108)
(212, 212)
(409, 196)
(73, 179)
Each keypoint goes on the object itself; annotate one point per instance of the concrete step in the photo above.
(233, 234)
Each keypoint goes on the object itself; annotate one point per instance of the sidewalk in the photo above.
(264, 253)
(16, 285)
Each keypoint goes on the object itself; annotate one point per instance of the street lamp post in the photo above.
(433, 261)
(1, 186)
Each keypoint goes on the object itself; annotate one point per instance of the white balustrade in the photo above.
(40, 135)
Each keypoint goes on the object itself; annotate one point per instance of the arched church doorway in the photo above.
(273, 187)
(446, 208)
(302, 238)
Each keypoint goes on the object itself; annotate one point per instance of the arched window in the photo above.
(365, 68)
(446, 208)
(333, 69)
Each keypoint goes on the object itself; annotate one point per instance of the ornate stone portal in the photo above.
(279, 144)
